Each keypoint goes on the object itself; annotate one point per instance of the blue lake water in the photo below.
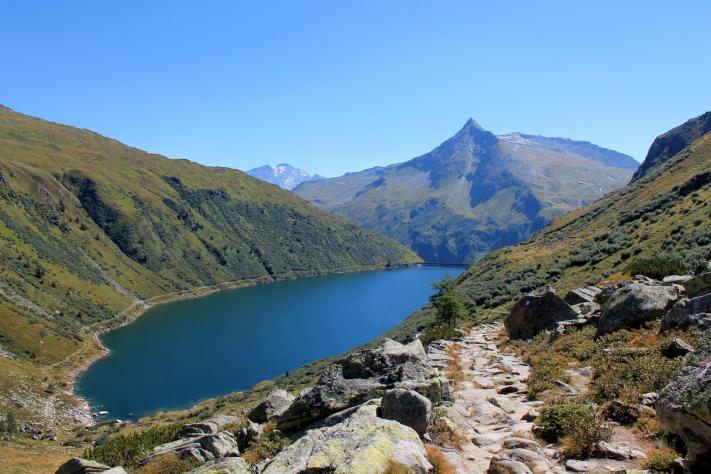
(182, 352)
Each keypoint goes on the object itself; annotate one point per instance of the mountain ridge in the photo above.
(474, 192)
(283, 175)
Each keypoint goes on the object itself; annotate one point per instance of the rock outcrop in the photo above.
(698, 285)
(684, 406)
(85, 466)
(632, 304)
(687, 313)
(274, 404)
(536, 312)
(356, 378)
(202, 448)
(210, 426)
(363, 443)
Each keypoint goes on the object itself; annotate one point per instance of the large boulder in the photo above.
(684, 406)
(407, 407)
(274, 404)
(686, 313)
(538, 311)
(363, 443)
(699, 285)
(85, 466)
(633, 304)
(231, 465)
(357, 378)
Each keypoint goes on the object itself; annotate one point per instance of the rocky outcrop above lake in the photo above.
(357, 378)
(632, 304)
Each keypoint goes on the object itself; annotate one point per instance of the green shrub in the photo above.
(584, 433)
(561, 417)
(435, 333)
(127, 450)
(546, 371)
(657, 267)
(266, 446)
(660, 460)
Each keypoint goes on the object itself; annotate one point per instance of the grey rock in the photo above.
(231, 465)
(534, 461)
(504, 403)
(362, 443)
(684, 406)
(676, 348)
(407, 407)
(507, 466)
(649, 398)
(538, 311)
(274, 404)
(81, 466)
(524, 443)
(210, 426)
(635, 303)
(686, 313)
(115, 470)
(582, 295)
(208, 447)
(575, 465)
(617, 451)
(676, 279)
(356, 378)
(699, 285)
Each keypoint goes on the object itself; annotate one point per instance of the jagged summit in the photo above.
(283, 175)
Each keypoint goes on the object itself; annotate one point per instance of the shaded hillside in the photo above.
(88, 225)
(672, 142)
(475, 192)
(666, 213)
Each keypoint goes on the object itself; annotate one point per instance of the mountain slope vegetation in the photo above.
(89, 226)
(475, 192)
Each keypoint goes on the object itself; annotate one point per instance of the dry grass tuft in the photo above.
(439, 462)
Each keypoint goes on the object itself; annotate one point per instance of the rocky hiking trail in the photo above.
(494, 416)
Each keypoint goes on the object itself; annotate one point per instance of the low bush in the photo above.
(657, 267)
(169, 463)
(660, 459)
(546, 371)
(437, 332)
(266, 446)
(127, 450)
(584, 433)
(394, 467)
(560, 417)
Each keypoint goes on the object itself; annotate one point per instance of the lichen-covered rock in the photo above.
(684, 406)
(686, 313)
(507, 466)
(635, 303)
(363, 443)
(538, 311)
(203, 448)
(274, 404)
(231, 465)
(407, 407)
(85, 466)
(356, 378)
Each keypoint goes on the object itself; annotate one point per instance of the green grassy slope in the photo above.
(665, 212)
(475, 192)
(89, 225)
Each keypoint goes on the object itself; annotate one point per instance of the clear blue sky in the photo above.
(334, 86)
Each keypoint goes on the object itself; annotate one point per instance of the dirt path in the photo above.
(491, 409)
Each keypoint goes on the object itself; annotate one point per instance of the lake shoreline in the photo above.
(136, 309)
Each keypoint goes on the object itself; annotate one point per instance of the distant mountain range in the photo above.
(475, 192)
(283, 175)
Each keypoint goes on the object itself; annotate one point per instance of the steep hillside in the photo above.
(474, 193)
(89, 225)
(666, 213)
(283, 175)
